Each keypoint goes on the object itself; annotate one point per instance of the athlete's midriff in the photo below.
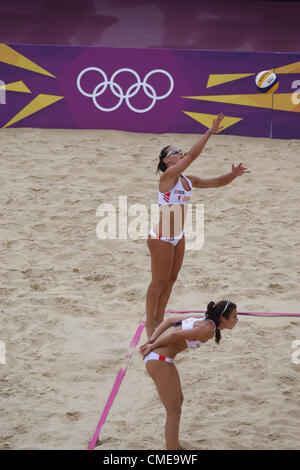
(171, 220)
(173, 209)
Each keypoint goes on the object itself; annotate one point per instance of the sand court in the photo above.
(70, 302)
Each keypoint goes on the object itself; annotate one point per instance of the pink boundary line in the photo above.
(240, 313)
(129, 355)
(117, 385)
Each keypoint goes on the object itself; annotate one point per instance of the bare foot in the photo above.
(183, 448)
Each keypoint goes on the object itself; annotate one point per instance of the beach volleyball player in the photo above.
(173, 336)
(166, 240)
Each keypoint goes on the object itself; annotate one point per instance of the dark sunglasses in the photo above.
(173, 152)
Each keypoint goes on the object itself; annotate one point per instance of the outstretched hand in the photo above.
(216, 123)
(239, 170)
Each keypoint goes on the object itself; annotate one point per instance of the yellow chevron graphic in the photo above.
(15, 86)
(207, 119)
(219, 79)
(290, 68)
(12, 57)
(281, 101)
(39, 102)
(259, 100)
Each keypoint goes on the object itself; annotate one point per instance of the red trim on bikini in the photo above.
(186, 183)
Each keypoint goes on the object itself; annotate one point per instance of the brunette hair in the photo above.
(161, 165)
(215, 311)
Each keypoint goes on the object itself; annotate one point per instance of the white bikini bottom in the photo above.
(157, 357)
(172, 240)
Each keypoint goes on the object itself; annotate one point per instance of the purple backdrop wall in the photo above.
(147, 90)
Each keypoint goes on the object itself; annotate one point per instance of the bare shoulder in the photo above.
(166, 182)
(206, 329)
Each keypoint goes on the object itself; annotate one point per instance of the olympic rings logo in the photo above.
(117, 91)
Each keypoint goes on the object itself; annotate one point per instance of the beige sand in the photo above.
(71, 303)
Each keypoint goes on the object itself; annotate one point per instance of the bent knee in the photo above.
(175, 409)
(175, 412)
(159, 285)
(172, 279)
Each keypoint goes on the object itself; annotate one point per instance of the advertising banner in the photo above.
(147, 90)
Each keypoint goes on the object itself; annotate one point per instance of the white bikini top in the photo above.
(177, 195)
(187, 324)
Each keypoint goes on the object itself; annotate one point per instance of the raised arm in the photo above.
(175, 170)
(222, 180)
